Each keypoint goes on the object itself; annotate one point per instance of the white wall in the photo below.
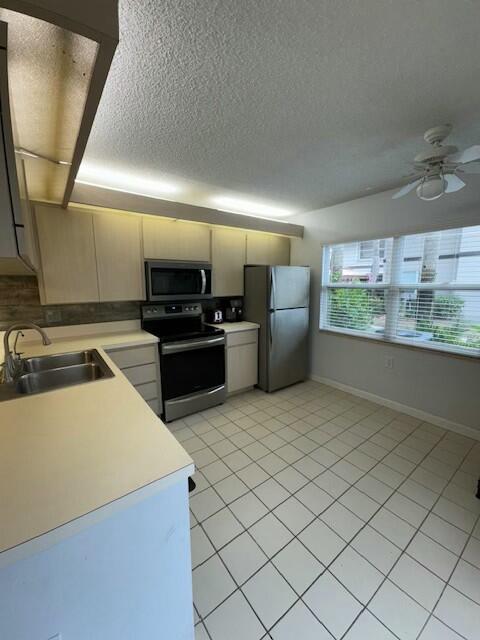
(125, 578)
(439, 384)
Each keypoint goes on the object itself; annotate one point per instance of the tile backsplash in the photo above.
(20, 300)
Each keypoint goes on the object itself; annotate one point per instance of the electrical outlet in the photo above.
(388, 362)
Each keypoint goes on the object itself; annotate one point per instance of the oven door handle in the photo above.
(198, 394)
(178, 347)
(204, 281)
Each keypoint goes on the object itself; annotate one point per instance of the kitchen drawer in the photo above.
(141, 374)
(148, 391)
(133, 356)
(242, 337)
(153, 404)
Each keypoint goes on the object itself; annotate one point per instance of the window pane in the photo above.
(443, 313)
(450, 318)
(441, 257)
(356, 309)
(360, 262)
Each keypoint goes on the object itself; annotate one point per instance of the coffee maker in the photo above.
(234, 310)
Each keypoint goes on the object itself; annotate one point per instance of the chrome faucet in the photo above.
(12, 366)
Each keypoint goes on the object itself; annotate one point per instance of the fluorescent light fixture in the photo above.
(97, 176)
(249, 207)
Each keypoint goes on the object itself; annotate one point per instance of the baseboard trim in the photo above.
(403, 408)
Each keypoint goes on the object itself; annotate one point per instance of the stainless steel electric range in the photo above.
(192, 358)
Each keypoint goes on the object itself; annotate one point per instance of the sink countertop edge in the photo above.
(130, 428)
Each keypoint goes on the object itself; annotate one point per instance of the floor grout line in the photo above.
(394, 416)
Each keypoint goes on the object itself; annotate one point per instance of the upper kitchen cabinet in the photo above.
(165, 239)
(118, 249)
(263, 248)
(228, 260)
(67, 255)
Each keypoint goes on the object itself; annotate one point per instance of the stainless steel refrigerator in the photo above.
(277, 298)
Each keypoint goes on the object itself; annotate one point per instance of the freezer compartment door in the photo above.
(288, 348)
(289, 287)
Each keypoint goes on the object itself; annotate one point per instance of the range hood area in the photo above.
(53, 67)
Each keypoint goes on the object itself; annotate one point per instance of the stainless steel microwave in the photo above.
(174, 281)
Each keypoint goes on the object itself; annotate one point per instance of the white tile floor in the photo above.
(318, 514)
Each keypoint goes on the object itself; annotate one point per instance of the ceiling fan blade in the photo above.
(406, 189)
(471, 167)
(467, 155)
(454, 183)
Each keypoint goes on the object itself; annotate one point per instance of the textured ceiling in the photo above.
(301, 103)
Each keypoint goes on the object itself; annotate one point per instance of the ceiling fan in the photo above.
(437, 168)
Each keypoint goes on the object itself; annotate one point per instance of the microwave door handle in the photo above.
(204, 281)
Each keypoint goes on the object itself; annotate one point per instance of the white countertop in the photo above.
(68, 453)
(234, 327)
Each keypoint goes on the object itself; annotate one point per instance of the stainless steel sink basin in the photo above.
(46, 373)
(41, 363)
(57, 378)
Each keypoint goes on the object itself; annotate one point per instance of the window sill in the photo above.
(402, 345)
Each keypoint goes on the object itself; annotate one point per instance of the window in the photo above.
(421, 289)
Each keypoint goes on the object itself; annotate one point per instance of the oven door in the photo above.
(193, 375)
(173, 281)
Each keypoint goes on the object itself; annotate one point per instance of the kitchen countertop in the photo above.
(66, 455)
(234, 327)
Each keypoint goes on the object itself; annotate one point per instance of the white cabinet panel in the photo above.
(228, 259)
(175, 240)
(132, 356)
(242, 360)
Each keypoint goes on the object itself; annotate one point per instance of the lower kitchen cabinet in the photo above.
(141, 366)
(242, 359)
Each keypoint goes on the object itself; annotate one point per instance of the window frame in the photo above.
(393, 289)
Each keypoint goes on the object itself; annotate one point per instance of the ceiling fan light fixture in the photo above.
(431, 188)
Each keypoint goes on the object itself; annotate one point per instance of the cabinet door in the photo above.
(242, 367)
(263, 248)
(228, 259)
(118, 250)
(175, 240)
(67, 255)
(8, 247)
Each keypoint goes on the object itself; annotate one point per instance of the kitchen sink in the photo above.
(41, 363)
(57, 378)
(45, 373)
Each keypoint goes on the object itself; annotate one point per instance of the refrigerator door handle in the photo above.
(271, 327)
(272, 288)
